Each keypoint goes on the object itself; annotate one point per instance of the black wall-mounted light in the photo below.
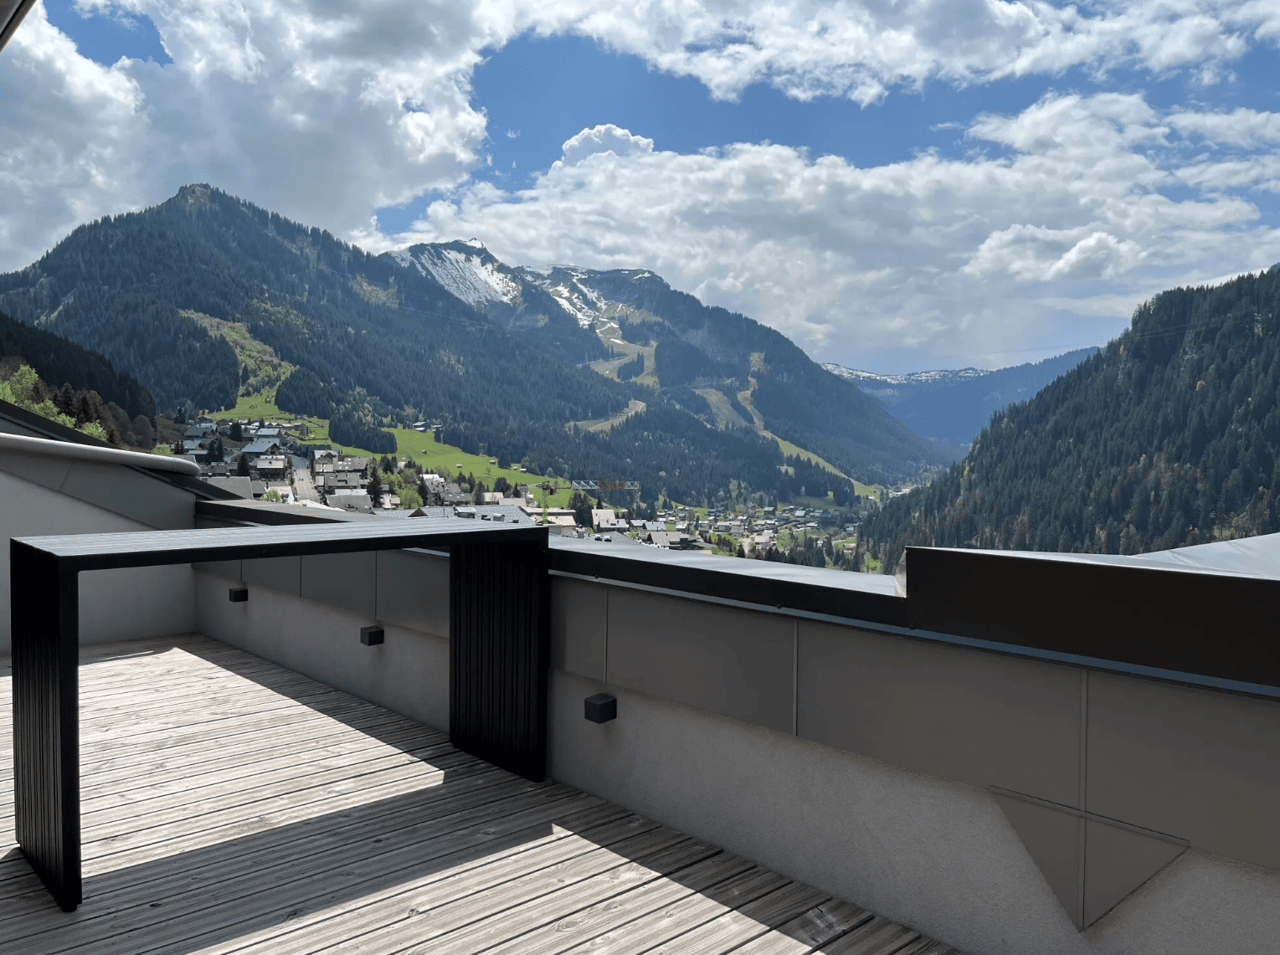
(371, 636)
(601, 708)
(238, 595)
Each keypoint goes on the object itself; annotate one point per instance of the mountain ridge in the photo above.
(1168, 437)
(512, 364)
(953, 406)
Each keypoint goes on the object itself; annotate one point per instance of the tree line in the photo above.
(1169, 437)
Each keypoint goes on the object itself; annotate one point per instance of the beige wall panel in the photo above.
(732, 662)
(347, 581)
(413, 591)
(578, 625)
(1198, 764)
(982, 718)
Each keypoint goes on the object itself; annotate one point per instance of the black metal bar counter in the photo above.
(498, 655)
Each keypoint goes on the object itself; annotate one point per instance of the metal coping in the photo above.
(148, 548)
(818, 601)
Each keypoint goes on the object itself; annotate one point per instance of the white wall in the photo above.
(114, 605)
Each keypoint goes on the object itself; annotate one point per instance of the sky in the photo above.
(897, 185)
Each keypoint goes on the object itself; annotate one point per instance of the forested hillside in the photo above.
(771, 385)
(1171, 436)
(61, 362)
(169, 293)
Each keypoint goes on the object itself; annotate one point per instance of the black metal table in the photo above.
(498, 649)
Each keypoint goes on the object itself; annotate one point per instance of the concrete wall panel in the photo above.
(579, 624)
(227, 569)
(931, 853)
(131, 494)
(347, 581)
(732, 662)
(1198, 764)
(45, 470)
(278, 573)
(409, 673)
(981, 718)
(135, 602)
(413, 591)
(114, 605)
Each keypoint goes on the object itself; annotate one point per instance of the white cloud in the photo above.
(928, 256)
(318, 111)
(861, 49)
(67, 140)
(1240, 127)
(607, 139)
(325, 111)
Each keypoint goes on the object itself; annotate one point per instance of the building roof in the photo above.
(239, 486)
(11, 14)
(260, 446)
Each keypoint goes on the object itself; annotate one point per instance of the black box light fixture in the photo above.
(238, 595)
(371, 636)
(601, 708)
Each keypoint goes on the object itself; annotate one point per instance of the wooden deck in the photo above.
(231, 805)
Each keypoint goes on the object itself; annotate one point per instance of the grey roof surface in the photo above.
(1249, 556)
(835, 579)
(1246, 557)
(260, 446)
(240, 486)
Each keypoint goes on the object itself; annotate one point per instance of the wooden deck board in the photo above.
(234, 807)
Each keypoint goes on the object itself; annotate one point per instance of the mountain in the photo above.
(471, 274)
(1168, 437)
(893, 389)
(951, 407)
(722, 367)
(539, 367)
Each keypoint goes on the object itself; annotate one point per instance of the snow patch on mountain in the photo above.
(474, 276)
(567, 286)
(937, 376)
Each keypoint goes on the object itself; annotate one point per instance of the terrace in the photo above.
(1021, 753)
(231, 805)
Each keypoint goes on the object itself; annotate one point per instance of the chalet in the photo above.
(260, 446)
(273, 467)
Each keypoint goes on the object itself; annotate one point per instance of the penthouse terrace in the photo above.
(1020, 753)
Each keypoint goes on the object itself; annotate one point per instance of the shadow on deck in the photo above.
(232, 805)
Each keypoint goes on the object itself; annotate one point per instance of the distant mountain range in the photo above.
(1168, 437)
(951, 407)
(580, 372)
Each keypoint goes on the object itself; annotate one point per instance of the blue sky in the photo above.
(896, 187)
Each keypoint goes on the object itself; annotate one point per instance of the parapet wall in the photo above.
(997, 801)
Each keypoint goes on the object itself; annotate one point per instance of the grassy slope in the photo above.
(423, 448)
(266, 369)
